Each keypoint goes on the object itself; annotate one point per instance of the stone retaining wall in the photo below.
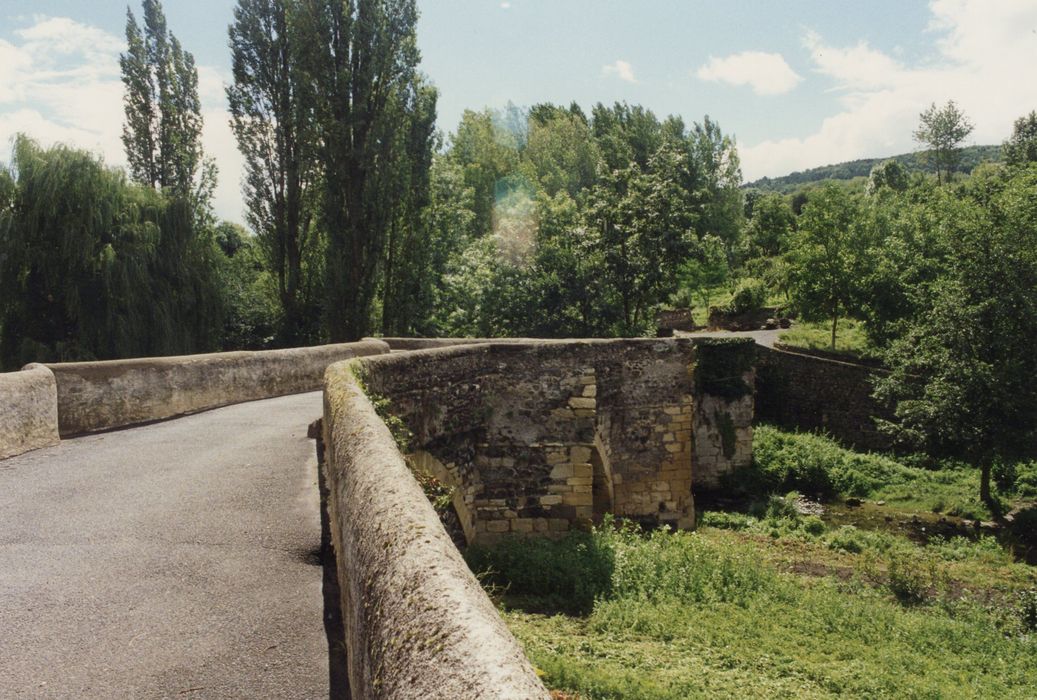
(805, 392)
(417, 623)
(28, 410)
(94, 396)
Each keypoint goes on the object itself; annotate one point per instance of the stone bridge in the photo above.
(181, 558)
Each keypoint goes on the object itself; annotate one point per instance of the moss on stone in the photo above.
(728, 437)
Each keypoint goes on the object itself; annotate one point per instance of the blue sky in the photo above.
(799, 83)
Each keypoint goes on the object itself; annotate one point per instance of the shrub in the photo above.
(813, 525)
(750, 295)
(846, 539)
(1027, 609)
(782, 507)
(908, 579)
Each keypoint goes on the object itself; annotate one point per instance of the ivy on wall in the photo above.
(720, 366)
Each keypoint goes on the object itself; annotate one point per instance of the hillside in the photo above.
(971, 157)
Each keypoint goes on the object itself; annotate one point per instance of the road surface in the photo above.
(174, 560)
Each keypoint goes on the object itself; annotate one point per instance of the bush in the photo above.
(909, 579)
(1027, 609)
(846, 539)
(750, 295)
(813, 525)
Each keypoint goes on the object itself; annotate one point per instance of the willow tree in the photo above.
(85, 265)
(361, 59)
(271, 116)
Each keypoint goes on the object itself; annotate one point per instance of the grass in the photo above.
(850, 338)
(774, 603)
(820, 468)
(689, 615)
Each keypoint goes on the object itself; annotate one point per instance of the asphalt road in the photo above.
(173, 560)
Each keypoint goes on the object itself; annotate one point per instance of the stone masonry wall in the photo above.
(416, 622)
(804, 392)
(538, 436)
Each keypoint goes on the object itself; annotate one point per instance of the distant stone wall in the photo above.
(28, 410)
(540, 435)
(805, 392)
(417, 623)
(103, 395)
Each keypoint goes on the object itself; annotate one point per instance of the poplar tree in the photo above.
(163, 128)
(361, 61)
(271, 116)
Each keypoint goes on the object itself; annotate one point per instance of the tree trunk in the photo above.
(984, 491)
(835, 322)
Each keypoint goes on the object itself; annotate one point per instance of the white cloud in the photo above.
(60, 82)
(620, 69)
(766, 73)
(983, 53)
(505, 5)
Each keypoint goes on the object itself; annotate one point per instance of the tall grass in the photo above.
(819, 467)
(687, 615)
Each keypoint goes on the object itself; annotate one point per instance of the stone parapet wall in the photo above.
(401, 344)
(417, 622)
(96, 396)
(805, 392)
(28, 410)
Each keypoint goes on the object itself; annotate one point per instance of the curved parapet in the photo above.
(28, 410)
(94, 396)
(417, 623)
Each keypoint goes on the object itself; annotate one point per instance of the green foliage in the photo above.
(770, 225)
(962, 368)
(271, 110)
(942, 129)
(584, 227)
(1028, 609)
(567, 574)
(134, 278)
(250, 302)
(913, 163)
(829, 257)
(728, 437)
(706, 270)
(887, 175)
(908, 578)
(1021, 147)
(749, 295)
(163, 130)
(706, 614)
(376, 143)
(439, 494)
(851, 339)
(819, 467)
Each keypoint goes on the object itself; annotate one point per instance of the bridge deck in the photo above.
(171, 560)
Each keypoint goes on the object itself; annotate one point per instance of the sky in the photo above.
(798, 84)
